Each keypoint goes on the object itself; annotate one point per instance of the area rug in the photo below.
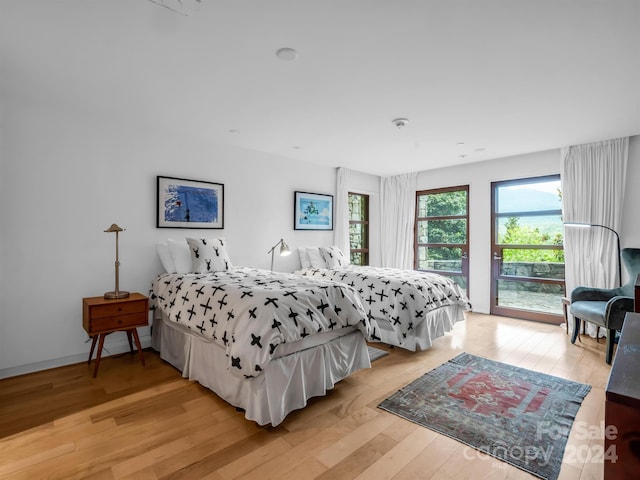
(519, 416)
(376, 353)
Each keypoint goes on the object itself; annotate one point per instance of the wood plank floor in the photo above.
(147, 423)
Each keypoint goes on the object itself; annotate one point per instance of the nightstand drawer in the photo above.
(120, 308)
(103, 316)
(118, 322)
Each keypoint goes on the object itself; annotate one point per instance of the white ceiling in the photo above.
(507, 76)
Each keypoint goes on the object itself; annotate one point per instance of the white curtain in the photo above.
(341, 221)
(398, 206)
(593, 180)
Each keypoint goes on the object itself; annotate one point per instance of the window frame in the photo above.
(464, 247)
(364, 252)
(497, 252)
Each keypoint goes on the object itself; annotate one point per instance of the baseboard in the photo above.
(113, 348)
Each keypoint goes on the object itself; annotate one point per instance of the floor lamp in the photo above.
(589, 225)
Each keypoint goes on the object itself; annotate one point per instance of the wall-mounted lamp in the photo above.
(117, 293)
(284, 250)
(589, 225)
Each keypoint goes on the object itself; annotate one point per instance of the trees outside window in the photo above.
(359, 228)
(442, 232)
(527, 279)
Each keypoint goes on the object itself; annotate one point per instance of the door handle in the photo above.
(464, 255)
(496, 257)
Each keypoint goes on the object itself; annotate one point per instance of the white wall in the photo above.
(68, 174)
(479, 177)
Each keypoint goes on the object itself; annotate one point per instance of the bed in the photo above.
(263, 342)
(407, 308)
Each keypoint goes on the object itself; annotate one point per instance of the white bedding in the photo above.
(299, 371)
(406, 308)
(250, 313)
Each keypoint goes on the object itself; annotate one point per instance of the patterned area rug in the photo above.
(376, 353)
(516, 415)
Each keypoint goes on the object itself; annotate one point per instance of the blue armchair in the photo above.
(606, 307)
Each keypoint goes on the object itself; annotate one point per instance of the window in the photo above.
(527, 249)
(442, 233)
(359, 228)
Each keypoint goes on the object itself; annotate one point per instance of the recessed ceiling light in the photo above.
(234, 132)
(462, 156)
(400, 122)
(286, 54)
(297, 147)
(479, 149)
(460, 144)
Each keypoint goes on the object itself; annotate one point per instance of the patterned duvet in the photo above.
(249, 312)
(403, 298)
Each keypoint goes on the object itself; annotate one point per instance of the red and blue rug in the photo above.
(517, 415)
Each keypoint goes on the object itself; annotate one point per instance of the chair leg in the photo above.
(576, 329)
(611, 340)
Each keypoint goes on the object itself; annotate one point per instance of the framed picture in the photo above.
(312, 211)
(183, 203)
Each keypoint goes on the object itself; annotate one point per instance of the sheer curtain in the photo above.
(341, 226)
(593, 180)
(398, 206)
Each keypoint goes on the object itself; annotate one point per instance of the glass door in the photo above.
(527, 279)
(442, 233)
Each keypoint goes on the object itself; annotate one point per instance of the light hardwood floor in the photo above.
(135, 422)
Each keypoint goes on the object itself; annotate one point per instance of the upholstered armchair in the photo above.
(606, 307)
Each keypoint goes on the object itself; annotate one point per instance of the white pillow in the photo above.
(304, 257)
(208, 255)
(315, 259)
(179, 250)
(165, 258)
(333, 257)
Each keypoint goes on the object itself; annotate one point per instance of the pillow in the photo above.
(333, 257)
(304, 257)
(315, 259)
(179, 250)
(208, 255)
(165, 258)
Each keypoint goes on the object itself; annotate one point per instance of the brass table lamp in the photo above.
(117, 293)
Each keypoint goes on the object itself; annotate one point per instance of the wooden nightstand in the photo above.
(101, 316)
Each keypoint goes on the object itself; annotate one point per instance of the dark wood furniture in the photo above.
(622, 405)
(101, 316)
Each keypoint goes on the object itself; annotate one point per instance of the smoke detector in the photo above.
(400, 122)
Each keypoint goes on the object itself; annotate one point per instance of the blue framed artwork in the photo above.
(183, 203)
(312, 211)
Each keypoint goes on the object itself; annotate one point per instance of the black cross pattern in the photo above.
(222, 302)
(206, 306)
(272, 301)
(255, 340)
(293, 316)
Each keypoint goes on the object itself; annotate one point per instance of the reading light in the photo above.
(117, 293)
(284, 250)
(589, 225)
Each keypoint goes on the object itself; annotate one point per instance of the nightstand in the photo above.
(101, 316)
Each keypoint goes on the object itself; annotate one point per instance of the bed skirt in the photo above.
(304, 369)
(435, 325)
